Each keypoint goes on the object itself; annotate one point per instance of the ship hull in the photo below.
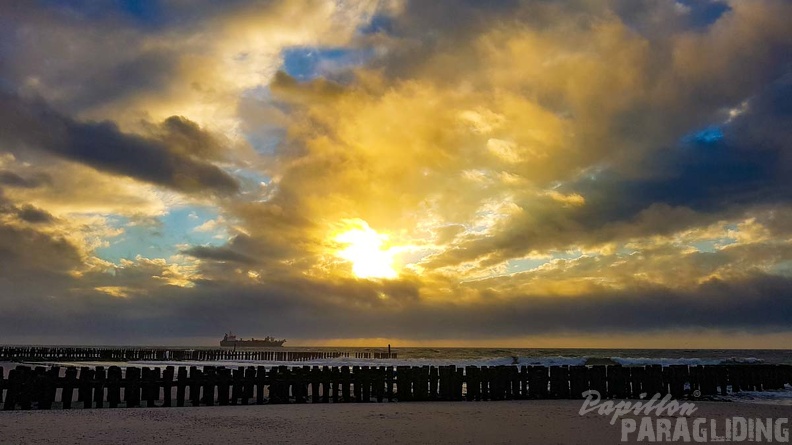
(252, 343)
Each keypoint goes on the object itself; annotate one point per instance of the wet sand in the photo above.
(539, 421)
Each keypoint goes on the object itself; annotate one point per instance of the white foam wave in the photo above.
(642, 361)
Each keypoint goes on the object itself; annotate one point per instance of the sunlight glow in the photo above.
(364, 249)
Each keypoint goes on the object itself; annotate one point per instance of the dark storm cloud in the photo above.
(748, 164)
(26, 212)
(104, 146)
(33, 215)
(11, 179)
(186, 138)
(222, 254)
(150, 71)
(28, 256)
(305, 309)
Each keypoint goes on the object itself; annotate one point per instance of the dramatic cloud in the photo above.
(172, 160)
(421, 171)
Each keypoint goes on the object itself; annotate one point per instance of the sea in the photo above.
(420, 356)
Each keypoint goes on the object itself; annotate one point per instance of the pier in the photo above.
(35, 353)
(55, 387)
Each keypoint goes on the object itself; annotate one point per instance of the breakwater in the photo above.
(43, 387)
(37, 353)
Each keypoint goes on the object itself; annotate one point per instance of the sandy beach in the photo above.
(541, 421)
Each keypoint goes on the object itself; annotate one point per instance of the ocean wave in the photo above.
(771, 397)
(692, 361)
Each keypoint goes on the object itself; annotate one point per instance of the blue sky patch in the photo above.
(162, 237)
(526, 264)
(143, 12)
(704, 13)
(707, 136)
(378, 24)
(250, 180)
(306, 63)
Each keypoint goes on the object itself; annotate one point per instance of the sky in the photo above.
(570, 173)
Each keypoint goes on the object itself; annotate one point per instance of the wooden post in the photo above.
(722, 378)
(345, 382)
(50, 387)
(287, 381)
(261, 381)
(618, 382)
(196, 380)
(505, 381)
(503, 374)
(152, 387)
(678, 376)
(248, 385)
(495, 384)
(653, 383)
(516, 387)
(598, 380)
(24, 392)
(144, 385)
(389, 383)
(366, 382)
(132, 387)
(316, 379)
(99, 385)
(747, 376)
(421, 379)
(481, 387)
(578, 381)
(84, 393)
(209, 382)
(12, 390)
(22, 387)
(403, 383)
(335, 382)
(378, 382)
(538, 379)
(637, 377)
(433, 377)
(709, 383)
(457, 382)
(695, 374)
(69, 383)
(223, 385)
(167, 386)
(733, 374)
(471, 383)
(299, 378)
(275, 383)
(357, 382)
(181, 384)
(560, 375)
(521, 381)
(326, 378)
(477, 382)
(113, 386)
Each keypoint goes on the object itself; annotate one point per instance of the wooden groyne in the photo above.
(35, 353)
(54, 387)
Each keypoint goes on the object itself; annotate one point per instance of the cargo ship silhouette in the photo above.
(267, 342)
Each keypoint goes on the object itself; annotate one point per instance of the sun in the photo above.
(364, 249)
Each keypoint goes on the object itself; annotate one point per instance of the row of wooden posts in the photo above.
(128, 354)
(54, 387)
